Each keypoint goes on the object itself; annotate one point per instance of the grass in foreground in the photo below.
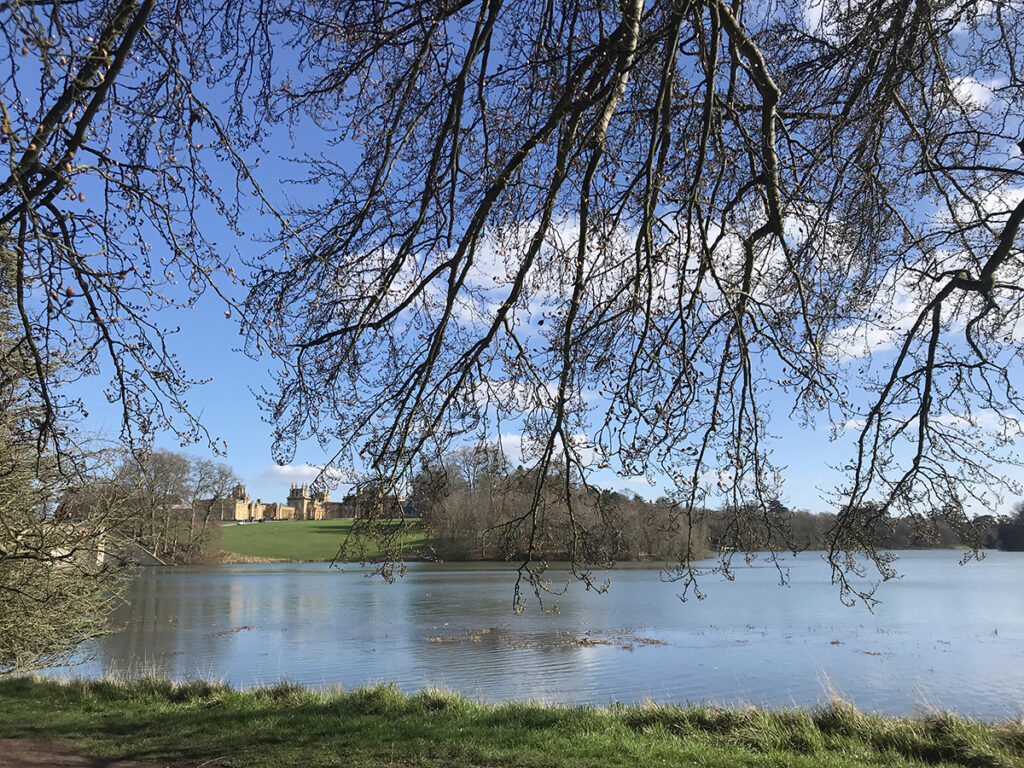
(287, 725)
(305, 540)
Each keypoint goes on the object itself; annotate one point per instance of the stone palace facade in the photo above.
(302, 504)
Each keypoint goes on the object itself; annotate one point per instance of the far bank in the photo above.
(310, 541)
(281, 541)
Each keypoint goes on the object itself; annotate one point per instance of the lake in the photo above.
(944, 636)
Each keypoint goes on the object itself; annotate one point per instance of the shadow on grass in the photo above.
(334, 530)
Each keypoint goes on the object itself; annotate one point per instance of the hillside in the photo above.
(306, 540)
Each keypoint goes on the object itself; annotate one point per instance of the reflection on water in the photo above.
(945, 636)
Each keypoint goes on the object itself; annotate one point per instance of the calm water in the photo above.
(944, 636)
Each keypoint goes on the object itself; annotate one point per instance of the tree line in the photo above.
(168, 503)
(475, 506)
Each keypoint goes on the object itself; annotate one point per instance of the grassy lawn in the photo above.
(304, 540)
(212, 725)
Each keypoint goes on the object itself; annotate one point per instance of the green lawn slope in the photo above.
(306, 540)
(205, 724)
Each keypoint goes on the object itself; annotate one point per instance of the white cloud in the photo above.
(981, 422)
(972, 93)
(523, 449)
(816, 15)
(637, 484)
(813, 13)
(903, 293)
(588, 453)
(1017, 331)
(722, 478)
(865, 339)
(984, 421)
(1002, 201)
(512, 447)
(898, 304)
(297, 473)
(981, 11)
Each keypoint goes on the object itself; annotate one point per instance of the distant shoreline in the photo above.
(313, 541)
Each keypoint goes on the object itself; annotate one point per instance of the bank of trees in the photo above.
(167, 503)
(797, 530)
(171, 502)
(1006, 532)
(70, 538)
(475, 506)
(59, 574)
(472, 524)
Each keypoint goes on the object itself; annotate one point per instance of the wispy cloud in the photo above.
(297, 473)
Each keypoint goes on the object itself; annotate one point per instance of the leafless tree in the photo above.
(627, 230)
(169, 498)
(210, 484)
(107, 201)
(633, 228)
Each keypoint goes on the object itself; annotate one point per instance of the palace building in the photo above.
(302, 504)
